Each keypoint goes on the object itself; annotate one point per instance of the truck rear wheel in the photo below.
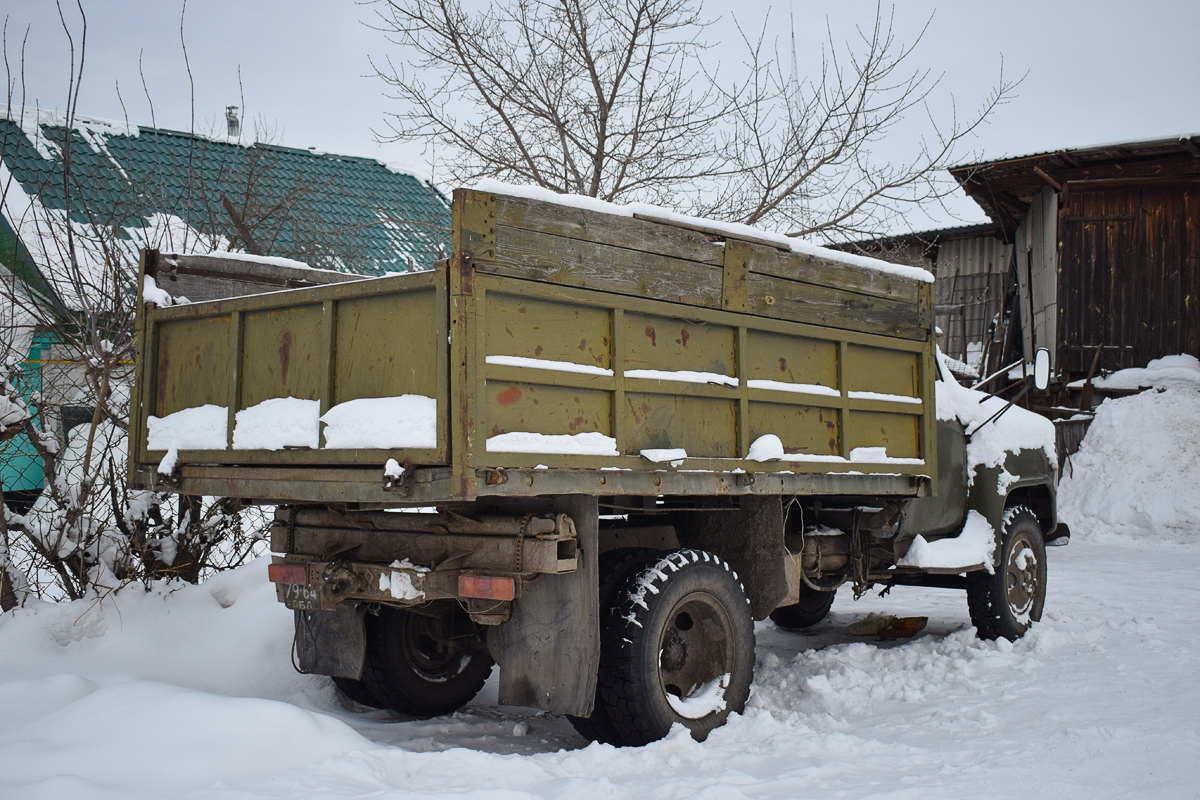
(616, 567)
(1007, 602)
(421, 665)
(812, 607)
(680, 648)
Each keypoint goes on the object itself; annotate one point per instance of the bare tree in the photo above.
(69, 276)
(604, 98)
(803, 151)
(611, 99)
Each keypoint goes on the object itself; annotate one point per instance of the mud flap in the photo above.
(331, 642)
(751, 540)
(549, 651)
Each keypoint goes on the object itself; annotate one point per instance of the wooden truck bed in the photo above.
(560, 350)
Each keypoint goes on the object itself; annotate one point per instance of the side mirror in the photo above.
(1041, 369)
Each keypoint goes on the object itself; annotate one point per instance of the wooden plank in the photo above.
(833, 308)
(551, 330)
(714, 231)
(212, 277)
(236, 344)
(574, 262)
(143, 371)
(360, 287)
(828, 272)
(634, 233)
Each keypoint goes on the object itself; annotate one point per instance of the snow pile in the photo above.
(767, 447)
(1137, 472)
(891, 398)
(275, 261)
(1169, 371)
(400, 584)
(675, 455)
(703, 701)
(191, 693)
(278, 423)
(12, 412)
(200, 428)
(570, 444)
(973, 545)
(732, 229)
(145, 694)
(153, 295)
(409, 420)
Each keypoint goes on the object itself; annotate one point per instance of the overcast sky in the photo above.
(1098, 70)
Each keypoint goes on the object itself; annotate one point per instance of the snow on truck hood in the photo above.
(1017, 429)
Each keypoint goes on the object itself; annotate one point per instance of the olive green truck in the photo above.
(591, 447)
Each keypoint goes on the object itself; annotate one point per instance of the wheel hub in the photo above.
(695, 647)
(1021, 578)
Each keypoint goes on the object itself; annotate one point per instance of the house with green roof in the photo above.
(81, 197)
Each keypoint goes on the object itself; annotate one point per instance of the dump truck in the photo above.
(592, 447)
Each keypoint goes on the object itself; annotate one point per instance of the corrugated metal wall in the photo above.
(969, 291)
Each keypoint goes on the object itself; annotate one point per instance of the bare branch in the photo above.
(611, 99)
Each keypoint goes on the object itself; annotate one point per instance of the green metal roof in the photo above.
(331, 211)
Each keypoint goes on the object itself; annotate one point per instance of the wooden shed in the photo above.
(1107, 249)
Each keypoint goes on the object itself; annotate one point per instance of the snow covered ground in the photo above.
(191, 693)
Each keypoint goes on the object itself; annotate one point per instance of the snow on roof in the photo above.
(92, 130)
(1125, 143)
(419, 171)
(380, 219)
(733, 229)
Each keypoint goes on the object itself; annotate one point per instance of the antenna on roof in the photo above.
(231, 120)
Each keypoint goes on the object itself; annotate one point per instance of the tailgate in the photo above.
(348, 374)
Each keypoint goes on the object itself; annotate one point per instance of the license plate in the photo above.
(297, 597)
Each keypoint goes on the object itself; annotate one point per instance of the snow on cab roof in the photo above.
(733, 229)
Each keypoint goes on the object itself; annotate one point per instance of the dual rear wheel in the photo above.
(419, 665)
(676, 646)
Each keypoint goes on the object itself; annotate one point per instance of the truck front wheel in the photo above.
(423, 665)
(1007, 602)
(679, 647)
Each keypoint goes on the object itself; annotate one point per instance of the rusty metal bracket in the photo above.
(403, 485)
(925, 305)
(291, 530)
